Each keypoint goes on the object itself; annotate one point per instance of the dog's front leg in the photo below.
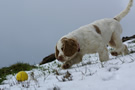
(69, 63)
(103, 54)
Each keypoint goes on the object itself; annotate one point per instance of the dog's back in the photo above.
(107, 27)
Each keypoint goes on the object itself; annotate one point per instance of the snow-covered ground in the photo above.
(116, 74)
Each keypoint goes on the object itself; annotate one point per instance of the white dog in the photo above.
(92, 38)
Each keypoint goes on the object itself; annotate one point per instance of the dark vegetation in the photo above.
(128, 38)
(47, 59)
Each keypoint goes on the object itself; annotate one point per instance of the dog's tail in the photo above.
(124, 12)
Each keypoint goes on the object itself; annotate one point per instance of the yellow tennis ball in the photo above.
(22, 76)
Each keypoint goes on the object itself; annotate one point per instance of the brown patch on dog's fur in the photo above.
(115, 19)
(69, 47)
(114, 53)
(56, 52)
(112, 43)
(97, 29)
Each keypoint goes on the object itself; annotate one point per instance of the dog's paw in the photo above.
(66, 65)
(114, 53)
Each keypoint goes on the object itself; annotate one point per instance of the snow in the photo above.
(116, 74)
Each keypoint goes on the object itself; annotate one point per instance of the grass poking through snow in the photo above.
(13, 69)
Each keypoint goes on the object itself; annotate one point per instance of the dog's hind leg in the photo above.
(117, 44)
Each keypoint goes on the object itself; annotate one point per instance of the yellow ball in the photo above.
(22, 76)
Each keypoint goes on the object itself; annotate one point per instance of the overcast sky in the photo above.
(29, 29)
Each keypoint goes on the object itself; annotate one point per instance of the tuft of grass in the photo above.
(13, 69)
(132, 42)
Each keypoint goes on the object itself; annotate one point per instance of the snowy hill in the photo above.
(116, 74)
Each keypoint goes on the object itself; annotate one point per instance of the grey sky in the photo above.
(29, 29)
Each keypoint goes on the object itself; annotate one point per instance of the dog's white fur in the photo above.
(90, 41)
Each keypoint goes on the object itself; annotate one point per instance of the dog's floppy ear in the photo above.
(70, 46)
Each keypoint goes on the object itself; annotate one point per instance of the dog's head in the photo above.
(66, 49)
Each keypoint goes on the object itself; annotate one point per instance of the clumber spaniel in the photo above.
(92, 38)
